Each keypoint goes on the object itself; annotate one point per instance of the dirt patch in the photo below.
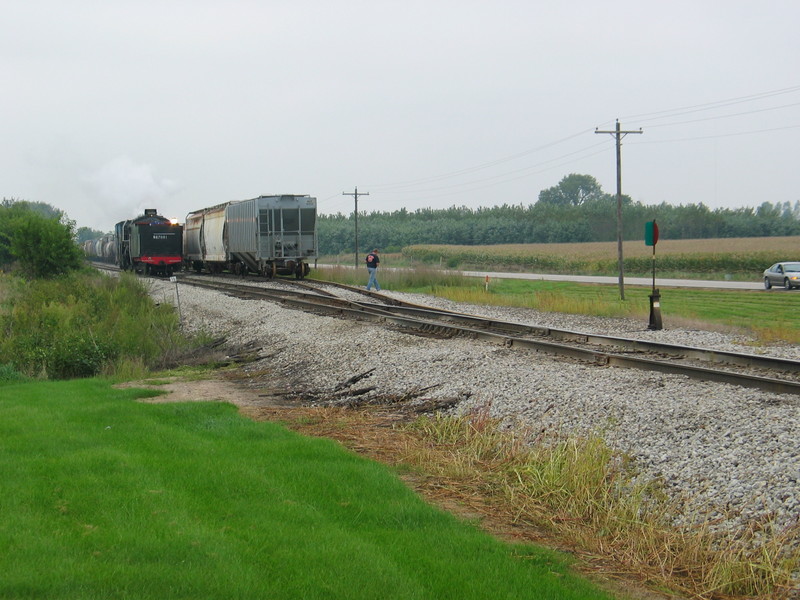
(224, 387)
(175, 390)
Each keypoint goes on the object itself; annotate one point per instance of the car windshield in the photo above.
(791, 267)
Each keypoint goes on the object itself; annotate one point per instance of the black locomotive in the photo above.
(149, 244)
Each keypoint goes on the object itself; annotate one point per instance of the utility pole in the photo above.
(619, 135)
(355, 215)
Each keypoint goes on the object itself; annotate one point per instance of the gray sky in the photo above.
(112, 106)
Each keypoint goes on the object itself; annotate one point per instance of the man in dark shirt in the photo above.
(372, 267)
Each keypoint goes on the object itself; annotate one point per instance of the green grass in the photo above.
(104, 497)
(727, 308)
(768, 315)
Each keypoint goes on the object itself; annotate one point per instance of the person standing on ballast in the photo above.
(372, 267)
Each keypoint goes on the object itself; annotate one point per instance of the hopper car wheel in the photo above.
(270, 270)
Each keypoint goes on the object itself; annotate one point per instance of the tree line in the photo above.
(575, 210)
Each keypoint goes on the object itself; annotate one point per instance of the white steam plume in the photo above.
(124, 189)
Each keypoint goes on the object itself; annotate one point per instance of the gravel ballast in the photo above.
(719, 449)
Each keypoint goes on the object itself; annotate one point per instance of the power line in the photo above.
(413, 182)
(501, 176)
(739, 114)
(401, 187)
(676, 112)
(423, 185)
(719, 135)
(397, 187)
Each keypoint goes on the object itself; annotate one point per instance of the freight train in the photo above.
(268, 235)
(149, 244)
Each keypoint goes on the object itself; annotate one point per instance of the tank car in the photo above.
(148, 244)
(269, 235)
(110, 249)
(88, 248)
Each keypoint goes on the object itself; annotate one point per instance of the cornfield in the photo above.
(725, 255)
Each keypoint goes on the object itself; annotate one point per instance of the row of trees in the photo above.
(575, 210)
(40, 239)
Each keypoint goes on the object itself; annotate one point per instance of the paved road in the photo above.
(638, 281)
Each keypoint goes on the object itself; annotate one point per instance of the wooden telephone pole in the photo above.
(355, 195)
(619, 135)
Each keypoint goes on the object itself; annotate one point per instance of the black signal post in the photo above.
(651, 239)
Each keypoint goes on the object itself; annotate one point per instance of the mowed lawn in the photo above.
(104, 497)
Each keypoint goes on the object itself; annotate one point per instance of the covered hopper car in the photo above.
(268, 235)
(149, 244)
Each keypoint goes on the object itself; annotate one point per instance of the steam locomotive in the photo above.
(149, 244)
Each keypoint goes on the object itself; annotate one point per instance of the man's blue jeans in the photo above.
(373, 279)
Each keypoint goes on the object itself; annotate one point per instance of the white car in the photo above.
(784, 274)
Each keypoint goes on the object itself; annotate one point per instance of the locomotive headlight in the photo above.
(173, 221)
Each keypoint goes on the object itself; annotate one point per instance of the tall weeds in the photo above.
(591, 496)
(83, 324)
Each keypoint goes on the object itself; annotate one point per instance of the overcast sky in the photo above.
(111, 106)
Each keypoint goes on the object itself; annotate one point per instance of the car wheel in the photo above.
(787, 284)
(767, 284)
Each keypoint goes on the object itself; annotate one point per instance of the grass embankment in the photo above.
(769, 316)
(104, 497)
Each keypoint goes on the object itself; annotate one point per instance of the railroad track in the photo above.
(771, 374)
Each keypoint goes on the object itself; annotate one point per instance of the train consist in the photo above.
(268, 235)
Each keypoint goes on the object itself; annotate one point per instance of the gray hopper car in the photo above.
(269, 235)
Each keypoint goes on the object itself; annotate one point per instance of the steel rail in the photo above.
(630, 344)
(742, 359)
(450, 324)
